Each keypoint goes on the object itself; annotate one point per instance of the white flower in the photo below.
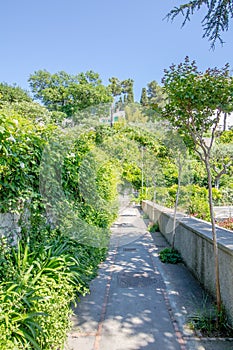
(11, 138)
(22, 165)
(71, 155)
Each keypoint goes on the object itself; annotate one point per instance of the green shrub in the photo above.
(37, 293)
(211, 323)
(22, 144)
(153, 227)
(199, 208)
(170, 256)
(18, 323)
(193, 199)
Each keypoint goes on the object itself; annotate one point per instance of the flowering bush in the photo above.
(227, 223)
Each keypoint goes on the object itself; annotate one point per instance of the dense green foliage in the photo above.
(196, 102)
(62, 176)
(37, 288)
(67, 93)
(13, 94)
(65, 192)
(123, 90)
(144, 98)
(21, 148)
(196, 98)
(170, 256)
(153, 227)
(49, 269)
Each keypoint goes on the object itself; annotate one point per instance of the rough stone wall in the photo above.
(9, 227)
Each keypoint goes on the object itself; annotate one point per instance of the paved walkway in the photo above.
(136, 302)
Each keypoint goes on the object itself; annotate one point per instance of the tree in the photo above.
(115, 86)
(121, 89)
(144, 98)
(16, 101)
(196, 101)
(134, 113)
(216, 20)
(127, 89)
(119, 104)
(153, 99)
(67, 93)
(13, 93)
(155, 93)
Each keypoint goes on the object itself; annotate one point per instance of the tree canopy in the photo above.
(195, 103)
(13, 93)
(197, 99)
(67, 93)
(217, 18)
(123, 90)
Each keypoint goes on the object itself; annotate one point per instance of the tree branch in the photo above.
(216, 21)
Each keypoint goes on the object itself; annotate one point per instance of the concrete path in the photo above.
(136, 302)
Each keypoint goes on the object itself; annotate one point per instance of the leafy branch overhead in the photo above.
(216, 20)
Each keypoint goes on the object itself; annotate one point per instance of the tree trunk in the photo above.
(216, 182)
(111, 115)
(142, 179)
(225, 122)
(176, 203)
(214, 235)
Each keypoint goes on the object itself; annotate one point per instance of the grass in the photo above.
(209, 323)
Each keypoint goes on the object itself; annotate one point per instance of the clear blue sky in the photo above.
(124, 38)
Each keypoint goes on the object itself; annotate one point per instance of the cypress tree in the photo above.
(144, 98)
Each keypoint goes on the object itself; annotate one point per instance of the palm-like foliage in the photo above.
(35, 298)
(18, 324)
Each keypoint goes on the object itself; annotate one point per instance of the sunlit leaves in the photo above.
(67, 93)
(196, 99)
(21, 146)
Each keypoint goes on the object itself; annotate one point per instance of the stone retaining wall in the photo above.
(194, 242)
(9, 227)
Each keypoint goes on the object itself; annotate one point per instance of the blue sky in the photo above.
(124, 38)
